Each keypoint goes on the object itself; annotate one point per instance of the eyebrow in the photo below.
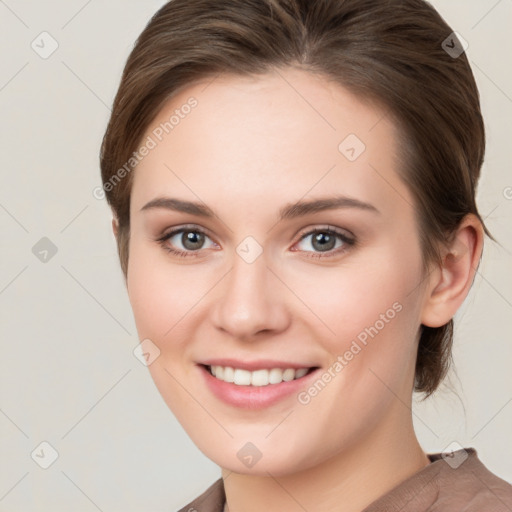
(289, 211)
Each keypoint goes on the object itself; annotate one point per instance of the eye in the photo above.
(325, 240)
(191, 239)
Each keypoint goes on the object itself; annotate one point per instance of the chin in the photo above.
(260, 458)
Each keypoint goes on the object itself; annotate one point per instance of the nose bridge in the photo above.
(249, 302)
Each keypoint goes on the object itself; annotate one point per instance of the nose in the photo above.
(250, 300)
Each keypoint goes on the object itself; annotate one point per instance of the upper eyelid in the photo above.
(337, 231)
(179, 229)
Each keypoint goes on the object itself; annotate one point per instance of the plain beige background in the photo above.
(68, 374)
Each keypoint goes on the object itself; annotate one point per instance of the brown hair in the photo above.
(392, 52)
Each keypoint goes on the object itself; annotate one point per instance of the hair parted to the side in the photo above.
(387, 52)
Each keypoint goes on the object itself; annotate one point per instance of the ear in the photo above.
(115, 226)
(450, 282)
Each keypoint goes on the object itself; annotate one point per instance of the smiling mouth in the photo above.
(258, 378)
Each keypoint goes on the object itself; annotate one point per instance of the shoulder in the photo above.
(211, 500)
(468, 481)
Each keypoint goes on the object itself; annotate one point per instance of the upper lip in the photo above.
(260, 364)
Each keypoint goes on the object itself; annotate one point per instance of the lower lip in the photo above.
(254, 397)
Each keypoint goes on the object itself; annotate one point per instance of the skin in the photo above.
(251, 146)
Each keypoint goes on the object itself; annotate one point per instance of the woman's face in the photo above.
(265, 284)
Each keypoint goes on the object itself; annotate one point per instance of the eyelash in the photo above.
(349, 242)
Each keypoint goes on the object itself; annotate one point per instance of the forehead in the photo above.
(285, 132)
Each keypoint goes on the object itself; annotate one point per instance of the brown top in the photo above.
(455, 482)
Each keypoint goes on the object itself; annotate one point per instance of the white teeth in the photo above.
(229, 374)
(275, 376)
(288, 374)
(242, 377)
(258, 377)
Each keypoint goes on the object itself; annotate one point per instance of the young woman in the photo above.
(293, 190)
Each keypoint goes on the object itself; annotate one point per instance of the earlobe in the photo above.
(115, 226)
(452, 280)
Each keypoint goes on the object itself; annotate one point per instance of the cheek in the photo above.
(354, 296)
(167, 299)
(159, 293)
(162, 297)
(367, 314)
(372, 318)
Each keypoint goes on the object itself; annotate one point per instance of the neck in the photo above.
(348, 481)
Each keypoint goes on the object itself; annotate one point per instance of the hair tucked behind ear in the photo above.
(390, 52)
